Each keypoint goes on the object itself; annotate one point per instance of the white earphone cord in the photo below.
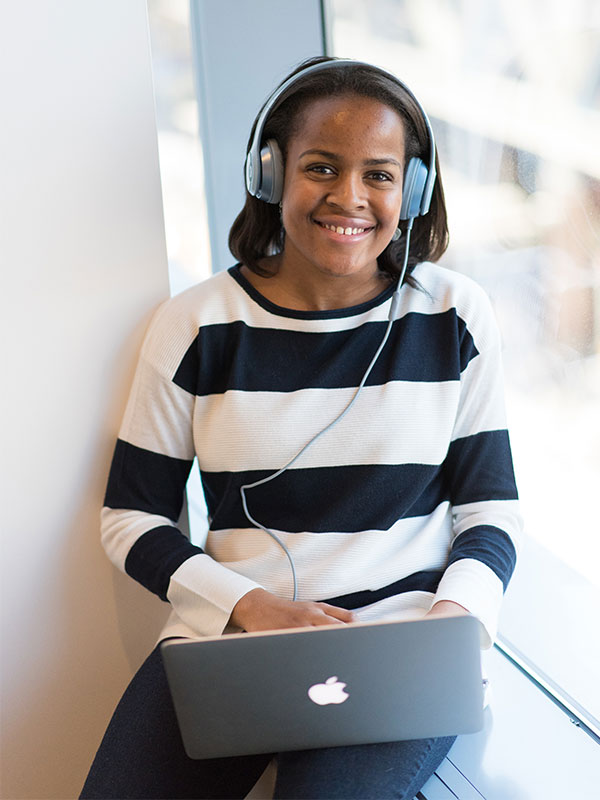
(391, 317)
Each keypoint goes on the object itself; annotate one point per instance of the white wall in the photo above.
(83, 263)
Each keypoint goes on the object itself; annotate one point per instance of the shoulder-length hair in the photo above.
(257, 231)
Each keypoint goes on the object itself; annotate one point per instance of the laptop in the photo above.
(327, 686)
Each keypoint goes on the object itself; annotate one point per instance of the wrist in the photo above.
(245, 607)
(447, 608)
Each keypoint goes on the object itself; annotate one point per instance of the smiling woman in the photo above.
(343, 398)
(370, 152)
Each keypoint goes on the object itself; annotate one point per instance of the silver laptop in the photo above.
(326, 686)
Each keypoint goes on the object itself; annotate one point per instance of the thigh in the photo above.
(142, 755)
(377, 771)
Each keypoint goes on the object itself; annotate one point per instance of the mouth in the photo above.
(345, 230)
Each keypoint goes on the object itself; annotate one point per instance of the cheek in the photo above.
(391, 211)
(296, 197)
(397, 204)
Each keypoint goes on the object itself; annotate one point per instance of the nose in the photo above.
(348, 191)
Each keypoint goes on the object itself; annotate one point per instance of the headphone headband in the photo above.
(254, 168)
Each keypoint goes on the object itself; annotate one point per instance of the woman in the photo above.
(343, 397)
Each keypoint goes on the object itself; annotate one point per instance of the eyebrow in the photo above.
(334, 157)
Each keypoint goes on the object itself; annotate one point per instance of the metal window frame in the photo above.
(241, 51)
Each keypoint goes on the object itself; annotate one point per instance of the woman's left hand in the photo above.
(446, 608)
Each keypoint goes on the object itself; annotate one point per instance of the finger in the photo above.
(341, 614)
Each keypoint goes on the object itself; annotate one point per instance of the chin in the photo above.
(341, 266)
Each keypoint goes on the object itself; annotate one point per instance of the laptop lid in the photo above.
(326, 686)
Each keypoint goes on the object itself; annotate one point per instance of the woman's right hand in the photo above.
(259, 610)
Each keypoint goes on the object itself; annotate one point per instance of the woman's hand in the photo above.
(446, 608)
(259, 610)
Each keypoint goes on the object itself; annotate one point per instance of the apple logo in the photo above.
(332, 691)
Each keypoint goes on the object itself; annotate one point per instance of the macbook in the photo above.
(326, 686)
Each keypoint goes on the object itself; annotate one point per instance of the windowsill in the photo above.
(546, 621)
(528, 749)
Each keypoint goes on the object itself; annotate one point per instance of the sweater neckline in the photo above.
(281, 311)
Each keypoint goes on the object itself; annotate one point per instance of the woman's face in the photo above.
(343, 186)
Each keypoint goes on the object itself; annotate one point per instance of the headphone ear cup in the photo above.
(271, 164)
(415, 179)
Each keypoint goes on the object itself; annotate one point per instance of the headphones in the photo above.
(264, 165)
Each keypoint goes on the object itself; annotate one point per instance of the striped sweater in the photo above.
(410, 499)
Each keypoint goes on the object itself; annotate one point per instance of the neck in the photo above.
(317, 292)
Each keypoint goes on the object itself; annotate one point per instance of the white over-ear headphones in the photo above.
(264, 162)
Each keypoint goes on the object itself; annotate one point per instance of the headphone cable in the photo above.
(391, 317)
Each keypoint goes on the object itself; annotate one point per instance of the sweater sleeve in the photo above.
(478, 471)
(151, 463)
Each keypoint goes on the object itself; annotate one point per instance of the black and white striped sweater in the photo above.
(410, 499)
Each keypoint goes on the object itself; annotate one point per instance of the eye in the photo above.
(320, 169)
(380, 177)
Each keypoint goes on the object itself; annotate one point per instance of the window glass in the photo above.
(182, 177)
(179, 145)
(513, 92)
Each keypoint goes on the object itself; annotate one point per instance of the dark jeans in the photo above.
(142, 756)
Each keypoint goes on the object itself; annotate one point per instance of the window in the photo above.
(180, 148)
(513, 92)
(182, 177)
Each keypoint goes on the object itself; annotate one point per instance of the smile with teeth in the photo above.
(345, 231)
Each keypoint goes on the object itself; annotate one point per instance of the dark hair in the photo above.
(257, 230)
